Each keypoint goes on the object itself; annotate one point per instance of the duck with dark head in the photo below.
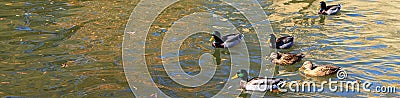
(226, 41)
(329, 10)
(284, 42)
(253, 84)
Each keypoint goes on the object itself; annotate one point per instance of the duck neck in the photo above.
(272, 41)
(217, 39)
(245, 79)
(218, 43)
(323, 6)
(243, 82)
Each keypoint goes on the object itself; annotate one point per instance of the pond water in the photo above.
(74, 48)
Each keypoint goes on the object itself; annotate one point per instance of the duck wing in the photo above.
(232, 37)
(232, 40)
(262, 80)
(285, 39)
(333, 9)
(288, 59)
(257, 83)
(285, 42)
(291, 56)
(323, 70)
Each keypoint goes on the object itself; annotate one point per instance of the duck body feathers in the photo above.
(227, 41)
(261, 84)
(285, 58)
(285, 42)
(282, 42)
(257, 83)
(319, 70)
(329, 10)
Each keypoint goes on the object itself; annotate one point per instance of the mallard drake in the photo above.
(285, 58)
(282, 42)
(226, 41)
(257, 83)
(318, 70)
(329, 10)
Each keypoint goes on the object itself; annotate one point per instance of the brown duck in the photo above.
(285, 58)
(318, 70)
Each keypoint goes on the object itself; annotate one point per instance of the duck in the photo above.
(284, 42)
(271, 84)
(310, 69)
(285, 58)
(329, 10)
(226, 41)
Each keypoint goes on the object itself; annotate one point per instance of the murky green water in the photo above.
(38, 37)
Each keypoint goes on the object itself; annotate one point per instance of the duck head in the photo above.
(244, 78)
(274, 55)
(242, 74)
(323, 7)
(322, 4)
(272, 40)
(216, 40)
(216, 37)
(307, 65)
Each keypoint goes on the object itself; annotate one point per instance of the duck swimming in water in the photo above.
(329, 10)
(285, 58)
(318, 70)
(226, 41)
(271, 84)
(282, 42)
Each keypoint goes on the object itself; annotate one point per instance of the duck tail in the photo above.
(274, 80)
(301, 55)
(337, 69)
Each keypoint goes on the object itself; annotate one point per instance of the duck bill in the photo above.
(234, 77)
(301, 68)
(212, 38)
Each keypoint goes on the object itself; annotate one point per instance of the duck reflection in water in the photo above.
(322, 19)
(217, 55)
